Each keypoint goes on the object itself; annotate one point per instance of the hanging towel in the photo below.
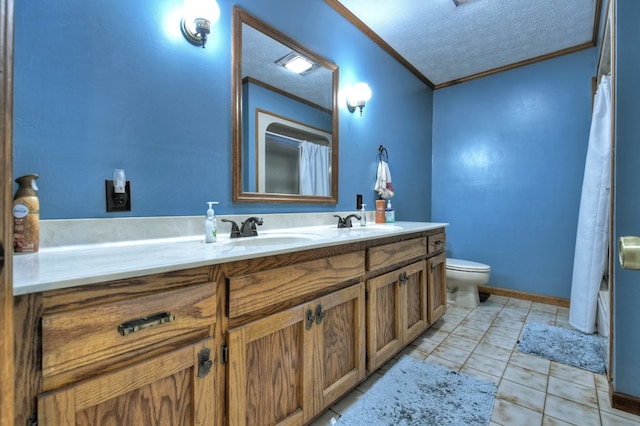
(383, 186)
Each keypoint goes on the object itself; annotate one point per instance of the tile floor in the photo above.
(531, 390)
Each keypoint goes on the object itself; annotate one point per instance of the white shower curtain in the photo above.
(314, 169)
(593, 219)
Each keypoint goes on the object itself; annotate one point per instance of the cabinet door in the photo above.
(384, 329)
(437, 267)
(268, 363)
(339, 346)
(413, 283)
(164, 390)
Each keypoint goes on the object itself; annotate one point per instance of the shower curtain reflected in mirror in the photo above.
(314, 169)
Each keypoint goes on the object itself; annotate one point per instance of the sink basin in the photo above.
(265, 240)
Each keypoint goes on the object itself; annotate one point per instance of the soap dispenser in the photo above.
(389, 214)
(363, 215)
(210, 226)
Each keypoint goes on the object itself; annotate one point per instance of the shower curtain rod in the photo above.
(294, 139)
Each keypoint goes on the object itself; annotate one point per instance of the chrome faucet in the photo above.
(346, 222)
(248, 227)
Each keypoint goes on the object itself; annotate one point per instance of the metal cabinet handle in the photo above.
(204, 362)
(403, 278)
(319, 314)
(310, 319)
(137, 324)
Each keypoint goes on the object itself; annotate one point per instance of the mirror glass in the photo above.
(285, 138)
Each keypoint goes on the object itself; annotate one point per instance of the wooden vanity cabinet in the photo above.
(133, 352)
(437, 269)
(406, 293)
(296, 341)
(286, 368)
(283, 337)
(397, 311)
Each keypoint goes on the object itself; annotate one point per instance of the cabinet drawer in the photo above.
(437, 242)
(85, 336)
(254, 292)
(394, 253)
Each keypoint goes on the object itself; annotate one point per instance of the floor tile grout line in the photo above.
(542, 413)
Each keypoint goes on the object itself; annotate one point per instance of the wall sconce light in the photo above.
(358, 97)
(118, 192)
(198, 17)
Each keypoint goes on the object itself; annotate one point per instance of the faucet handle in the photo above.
(341, 223)
(235, 231)
(248, 227)
(347, 220)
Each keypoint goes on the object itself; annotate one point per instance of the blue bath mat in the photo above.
(562, 345)
(415, 392)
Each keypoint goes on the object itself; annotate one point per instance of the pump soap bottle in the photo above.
(210, 226)
(363, 215)
(389, 214)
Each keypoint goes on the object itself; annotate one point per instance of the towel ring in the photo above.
(383, 155)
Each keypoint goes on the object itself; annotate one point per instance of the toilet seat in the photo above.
(466, 266)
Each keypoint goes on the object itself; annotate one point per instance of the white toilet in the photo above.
(463, 279)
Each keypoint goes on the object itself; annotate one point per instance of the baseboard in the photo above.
(624, 402)
(550, 300)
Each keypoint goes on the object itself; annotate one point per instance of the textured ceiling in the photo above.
(445, 43)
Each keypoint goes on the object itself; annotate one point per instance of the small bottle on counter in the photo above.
(210, 225)
(389, 214)
(380, 211)
(363, 215)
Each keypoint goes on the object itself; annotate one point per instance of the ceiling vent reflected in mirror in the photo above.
(297, 63)
(461, 2)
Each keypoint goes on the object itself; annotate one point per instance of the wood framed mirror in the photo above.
(292, 156)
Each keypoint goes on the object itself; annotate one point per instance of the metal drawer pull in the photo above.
(134, 325)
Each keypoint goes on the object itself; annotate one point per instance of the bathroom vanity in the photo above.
(265, 330)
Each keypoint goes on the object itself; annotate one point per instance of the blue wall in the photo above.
(113, 84)
(508, 160)
(626, 319)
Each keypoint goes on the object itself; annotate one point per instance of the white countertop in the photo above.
(69, 266)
